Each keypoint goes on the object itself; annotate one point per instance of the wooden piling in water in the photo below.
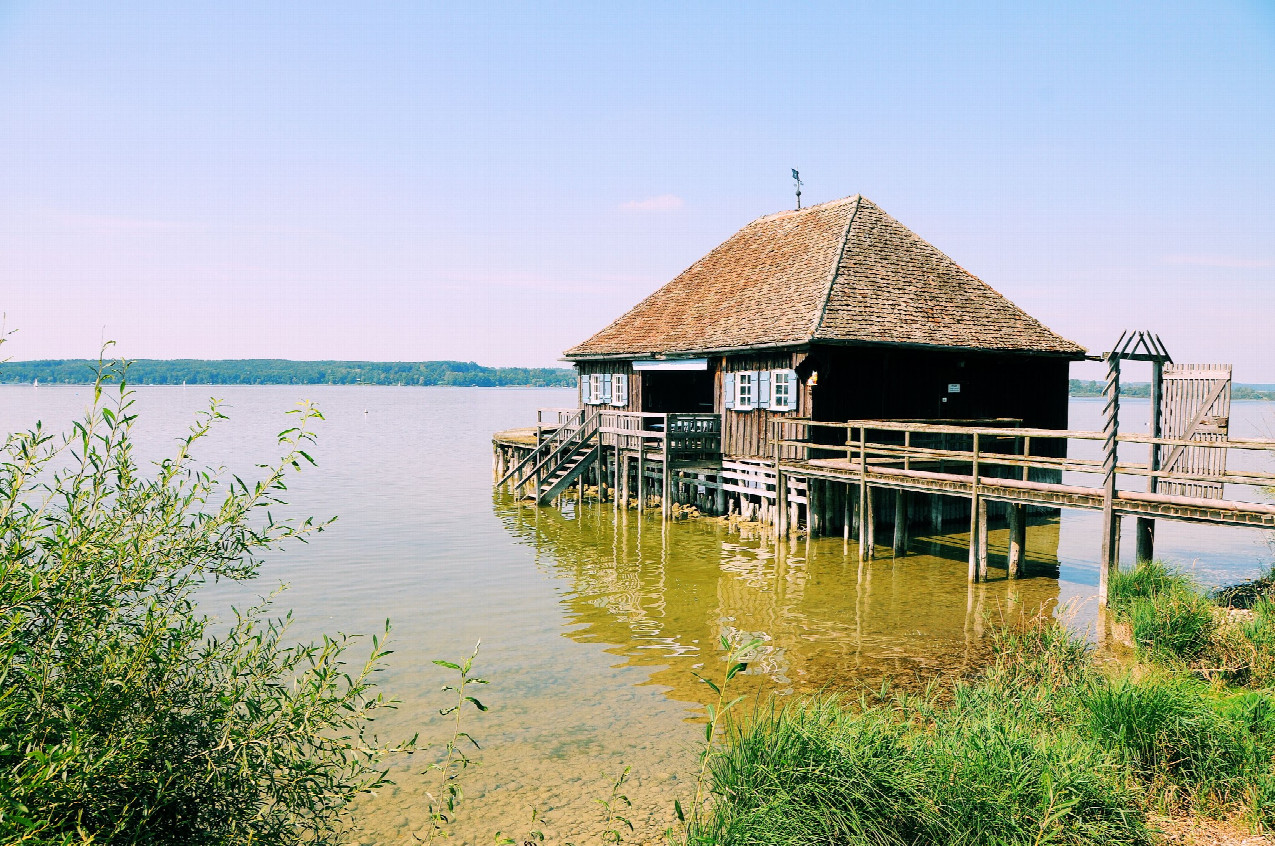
(900, 522)
(666, 488)
(814, 497)
(641, 477)
(982, 539)
(846, 519)
(781, 502)
(1017, 539)
(975, 511)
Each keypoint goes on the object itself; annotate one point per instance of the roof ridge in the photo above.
(836, 269)
(794, 212)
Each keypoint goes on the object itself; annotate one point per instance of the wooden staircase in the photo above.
(568, 471)
(552, 468)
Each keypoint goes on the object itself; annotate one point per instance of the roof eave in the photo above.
(1078, 354)
(676, 354)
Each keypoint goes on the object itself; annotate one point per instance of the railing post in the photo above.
(1146, 525)
(781, 487)
(667, 486)
(641, 467)
(539, 475)
(1111, 432)
(1018, 517)
(974, 513)
(865, 502)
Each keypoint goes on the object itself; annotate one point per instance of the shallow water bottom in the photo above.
(654, 599)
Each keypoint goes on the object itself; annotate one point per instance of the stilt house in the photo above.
(835, 312)
(828, 368)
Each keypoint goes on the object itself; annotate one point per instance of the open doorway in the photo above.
(677, 391)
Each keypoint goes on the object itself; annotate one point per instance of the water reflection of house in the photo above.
(835, 312)
(661, 596)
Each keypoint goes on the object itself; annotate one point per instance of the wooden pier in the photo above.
(853, 477)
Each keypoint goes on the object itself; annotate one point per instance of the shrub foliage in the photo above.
(126, 715)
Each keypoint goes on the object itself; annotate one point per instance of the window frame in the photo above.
(746, 390)
(787, 379)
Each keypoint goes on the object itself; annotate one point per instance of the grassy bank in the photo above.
(1048, 746)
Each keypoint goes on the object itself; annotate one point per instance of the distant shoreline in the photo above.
(1083, 388)
(459, 374)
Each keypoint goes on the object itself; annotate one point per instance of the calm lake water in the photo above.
(592, 626)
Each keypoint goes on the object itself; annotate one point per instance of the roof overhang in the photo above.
(797, 346)
(683, 354)
(671, 364)
(1078, 355)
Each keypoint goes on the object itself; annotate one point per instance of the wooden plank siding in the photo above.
(586, 368)
(747, 434)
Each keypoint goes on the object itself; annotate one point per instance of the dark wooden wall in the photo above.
(882, 382)
(891, 383)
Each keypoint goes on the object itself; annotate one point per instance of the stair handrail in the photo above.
(589, 427)
(556, 433)
(544, 489)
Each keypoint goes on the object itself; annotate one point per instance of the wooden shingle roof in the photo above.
(841, 272)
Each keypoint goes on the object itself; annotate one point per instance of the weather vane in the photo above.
(797, 179)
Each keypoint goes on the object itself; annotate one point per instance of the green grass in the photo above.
(1046, 747)
(1176, 623)
(993, 762)
(1194, 745)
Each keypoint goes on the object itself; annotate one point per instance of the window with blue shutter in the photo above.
(584, 389)
(728, 389)
(783, 390)
(763, 389)
(620, 389)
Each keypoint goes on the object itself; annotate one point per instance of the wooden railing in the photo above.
(1006, 446)
(568, 423)
(677, 437)
(554, 417)
(883, 461)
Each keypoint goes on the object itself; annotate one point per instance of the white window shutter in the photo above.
(728, 389)
(763, 389)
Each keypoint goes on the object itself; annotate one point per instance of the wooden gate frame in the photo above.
(1140, 345)
(1196, 406)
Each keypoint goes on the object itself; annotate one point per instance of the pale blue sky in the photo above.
(407, 181)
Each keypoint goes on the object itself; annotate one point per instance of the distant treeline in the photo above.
(1084, 388)
(274, 371)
